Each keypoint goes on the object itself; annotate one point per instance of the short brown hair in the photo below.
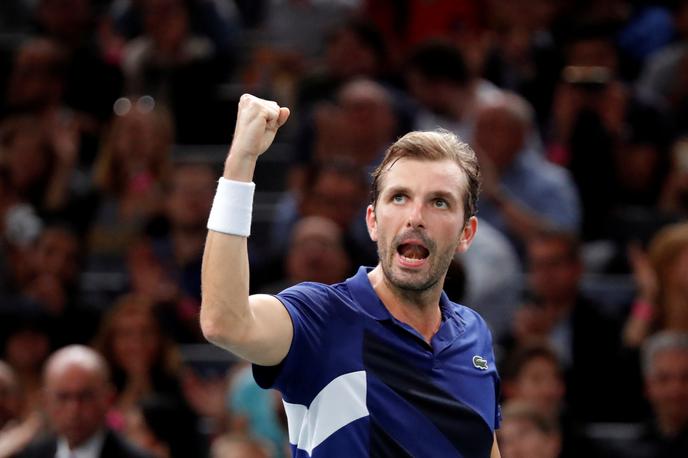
(434, 145)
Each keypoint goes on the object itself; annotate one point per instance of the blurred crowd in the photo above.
(115, 119)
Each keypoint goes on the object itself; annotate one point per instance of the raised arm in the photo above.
(256, 328)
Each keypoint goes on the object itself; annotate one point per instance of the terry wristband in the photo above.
(232, 207)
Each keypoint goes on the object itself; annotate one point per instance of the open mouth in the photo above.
(412, 253)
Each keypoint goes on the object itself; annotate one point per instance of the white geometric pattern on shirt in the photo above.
(341, 402)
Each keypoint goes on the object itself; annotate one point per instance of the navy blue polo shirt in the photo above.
(359, 383)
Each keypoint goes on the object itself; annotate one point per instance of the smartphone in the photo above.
(591, 78)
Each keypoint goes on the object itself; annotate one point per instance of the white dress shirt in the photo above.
(89, 449)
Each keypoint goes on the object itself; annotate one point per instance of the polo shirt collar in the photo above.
(363, 293)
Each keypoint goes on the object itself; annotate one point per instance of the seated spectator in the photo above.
(665, 371)
(360, 126)
(526, 433)
(177, 67)
(596, 131)
(316, 252)
(166, 265)
(439, 80)
(91, 82)
(36, 78)
(562, 316)
(131, 167)
(354, 49)
(77, 397)
(39, 156)
(26, 344)
(533, 374)
(522, 192)
(46, 283)
(142, 358)
(335, 190)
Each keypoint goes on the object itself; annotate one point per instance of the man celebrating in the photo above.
(383, 364)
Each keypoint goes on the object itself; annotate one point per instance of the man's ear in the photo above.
(467, 234)
(371, 223)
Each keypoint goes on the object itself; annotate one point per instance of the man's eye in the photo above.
(441, 203)
(398, 198)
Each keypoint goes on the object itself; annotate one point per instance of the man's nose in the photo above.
(415, 215)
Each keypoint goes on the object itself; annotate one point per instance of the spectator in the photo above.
(129, 172)
(522, 192)
(335, 190)
(354, 50)
(77, 397)
(562, 316)
(143, 360)
(592, 116)
(91, 84)
(316, 252)
(26, 346)
(532, 374)
(527, 433)
(166, 266)
(175, 66)
(361, 125)
(665, 371)
(438, 79)
(39, 155)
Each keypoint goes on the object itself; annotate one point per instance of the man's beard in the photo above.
(417, 283)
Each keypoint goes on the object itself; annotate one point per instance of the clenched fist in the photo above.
(257, 124)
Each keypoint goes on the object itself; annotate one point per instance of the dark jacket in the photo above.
(113, 447)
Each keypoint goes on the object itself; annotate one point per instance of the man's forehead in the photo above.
(442, 172)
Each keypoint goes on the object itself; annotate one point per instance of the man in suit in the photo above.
(78, 395)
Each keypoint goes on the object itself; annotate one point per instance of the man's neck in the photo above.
(418, 309)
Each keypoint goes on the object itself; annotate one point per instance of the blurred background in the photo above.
(115, 120)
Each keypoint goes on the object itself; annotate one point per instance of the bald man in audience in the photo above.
(77, 396)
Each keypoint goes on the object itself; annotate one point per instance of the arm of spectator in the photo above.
(637, 326)
(15, 437)
(64, 134)
(523, 221)
(257, 328)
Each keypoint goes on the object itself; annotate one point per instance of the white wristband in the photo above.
(232, 207)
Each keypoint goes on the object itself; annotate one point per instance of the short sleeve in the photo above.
(310, 307)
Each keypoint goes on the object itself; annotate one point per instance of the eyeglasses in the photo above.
(123, 105)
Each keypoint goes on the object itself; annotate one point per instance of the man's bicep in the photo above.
(270, 334)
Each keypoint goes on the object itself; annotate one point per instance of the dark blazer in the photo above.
(114, 447)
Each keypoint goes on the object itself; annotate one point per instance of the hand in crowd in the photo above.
(15, 436)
